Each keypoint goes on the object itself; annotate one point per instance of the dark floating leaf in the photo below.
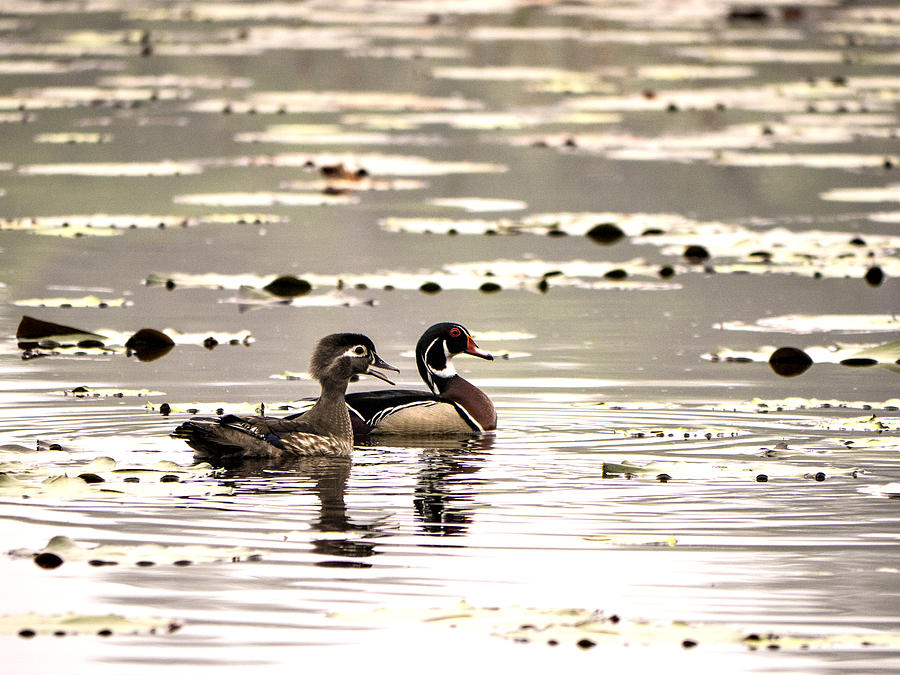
(859, 362)
(288, 287)
(91, 478)
(605, 233)
(874, 276)
(31, 331)
(47, 561)
(696, 254)
(149, 344)
(790, 361)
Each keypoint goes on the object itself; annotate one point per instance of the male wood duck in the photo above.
(454, 405)
(325, 429)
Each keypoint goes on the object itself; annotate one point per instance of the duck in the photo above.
(453, 405)
(325, 429)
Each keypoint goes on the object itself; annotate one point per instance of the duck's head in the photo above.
(343, 355)
(437, 346)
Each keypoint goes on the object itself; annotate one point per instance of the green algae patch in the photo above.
(68, 551)
(41, 625)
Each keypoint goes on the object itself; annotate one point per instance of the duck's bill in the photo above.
(475, 350)
(381, 363)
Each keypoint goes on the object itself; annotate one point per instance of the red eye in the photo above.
(455, 332)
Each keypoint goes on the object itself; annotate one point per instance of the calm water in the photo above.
(714, 128)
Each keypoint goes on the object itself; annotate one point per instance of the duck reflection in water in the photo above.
(445, 492)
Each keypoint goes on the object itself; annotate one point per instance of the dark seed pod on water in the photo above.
(790, 361)
(47, 561)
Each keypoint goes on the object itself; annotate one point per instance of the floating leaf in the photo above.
(716, 469)
(85, 301)
(73, 138)
(121, 169)
(329, 101)
(479, 204)
(633, 539)
(69, 551)
(241, 199)
(31, 625)
(108, 392)
(819, 323)
(104, 479)
(585, 629)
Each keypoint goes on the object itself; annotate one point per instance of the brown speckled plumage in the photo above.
(324, 430)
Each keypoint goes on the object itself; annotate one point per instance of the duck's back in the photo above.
(232, 437)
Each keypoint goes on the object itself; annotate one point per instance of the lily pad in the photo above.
(699, 469)
(585, 629)
(115, 169)
(84, 301)
(104, 479)
(31, 625)
(68, 551)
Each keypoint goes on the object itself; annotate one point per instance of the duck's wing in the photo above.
(232, 436)
(371, 405)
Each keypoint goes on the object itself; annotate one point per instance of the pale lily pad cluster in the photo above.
(144, 555)
(104, 479)
(33, 625)
(586, 629)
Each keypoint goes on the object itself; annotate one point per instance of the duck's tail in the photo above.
(210, 440)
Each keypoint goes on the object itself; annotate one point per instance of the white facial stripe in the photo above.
(448, 370)
(353, 353)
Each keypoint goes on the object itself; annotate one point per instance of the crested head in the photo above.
(437, 346)
(342, 355)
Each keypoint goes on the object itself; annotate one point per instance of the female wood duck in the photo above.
(325, 429)
(454, 404)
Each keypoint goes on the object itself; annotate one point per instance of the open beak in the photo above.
(381, 363)
(472, 348)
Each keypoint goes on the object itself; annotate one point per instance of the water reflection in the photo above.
(327, 475)
(443, 501)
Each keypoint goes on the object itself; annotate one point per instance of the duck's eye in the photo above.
(455, 332)
(360, 350)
